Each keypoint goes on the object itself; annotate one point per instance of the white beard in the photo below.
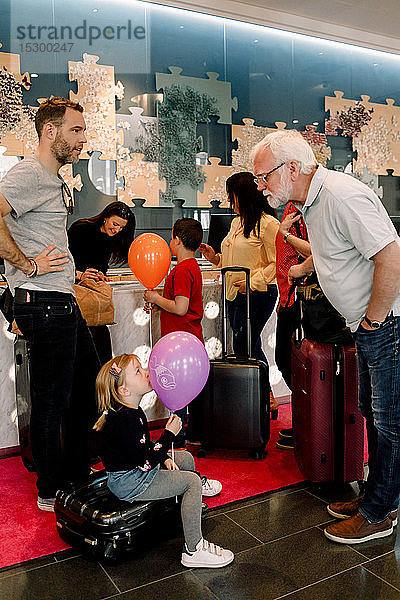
(282, 194)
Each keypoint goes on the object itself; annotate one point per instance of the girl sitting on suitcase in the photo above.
(139, 469)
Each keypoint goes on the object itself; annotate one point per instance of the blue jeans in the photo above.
(379, 403)
(126, 485)
(63, 367)
(261, 306)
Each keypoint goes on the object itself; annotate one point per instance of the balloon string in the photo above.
(173, 457)
(151, 328)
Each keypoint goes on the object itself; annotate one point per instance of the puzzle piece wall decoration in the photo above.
(349, 119)
(96, 92)
(318, 143)
(371, 180)
(140, 133)
(182, 108)
(141, 180)
(377, 140)
(248, 135)
(11, 62)
(134, 157)
(17, 132)
(74, 183)
(214, 185)
(220, 90)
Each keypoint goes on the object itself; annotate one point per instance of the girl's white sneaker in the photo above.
(210, 487)
(207, 555)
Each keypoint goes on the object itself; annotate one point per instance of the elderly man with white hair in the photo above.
(356, 254)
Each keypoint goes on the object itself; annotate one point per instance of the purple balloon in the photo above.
(178, 368)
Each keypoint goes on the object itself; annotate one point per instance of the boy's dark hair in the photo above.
(190, 232)
(53, 110)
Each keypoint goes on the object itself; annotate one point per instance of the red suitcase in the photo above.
(328, 428)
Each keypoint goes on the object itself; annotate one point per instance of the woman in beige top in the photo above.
(249, 243)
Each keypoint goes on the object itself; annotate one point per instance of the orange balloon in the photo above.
(149, 258)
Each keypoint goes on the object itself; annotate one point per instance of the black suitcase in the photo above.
(91, 518)
(23, 398)
(234, 402)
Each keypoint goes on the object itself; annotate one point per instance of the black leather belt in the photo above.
(22, 296)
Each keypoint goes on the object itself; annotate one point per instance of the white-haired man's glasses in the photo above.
(265, 176)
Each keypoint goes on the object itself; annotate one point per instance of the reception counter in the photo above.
(132, 333)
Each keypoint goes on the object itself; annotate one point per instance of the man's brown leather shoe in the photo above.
(344, 510)
(356, 530)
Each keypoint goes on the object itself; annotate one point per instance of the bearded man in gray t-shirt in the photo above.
(40, 271)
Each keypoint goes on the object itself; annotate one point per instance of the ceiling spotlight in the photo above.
(315, 123)
(34, 75)
(295, 121)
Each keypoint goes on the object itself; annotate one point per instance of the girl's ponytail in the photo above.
(101, 421)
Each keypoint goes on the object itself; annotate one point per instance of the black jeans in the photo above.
(261, 306)
(63, 369)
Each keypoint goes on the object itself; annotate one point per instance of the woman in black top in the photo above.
(95, 243)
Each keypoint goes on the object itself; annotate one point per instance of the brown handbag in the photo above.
(94, 298)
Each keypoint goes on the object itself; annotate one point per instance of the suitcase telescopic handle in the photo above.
(299, 331)
(246, 271)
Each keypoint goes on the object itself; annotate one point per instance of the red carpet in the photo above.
(242, 476)
(26, 532)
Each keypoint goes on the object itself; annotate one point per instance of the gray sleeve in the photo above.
(20, 187)
(365, 225)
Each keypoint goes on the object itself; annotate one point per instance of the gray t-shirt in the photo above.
(347, 225)
(38, 219)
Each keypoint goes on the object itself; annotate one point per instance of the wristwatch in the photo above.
(373, 324)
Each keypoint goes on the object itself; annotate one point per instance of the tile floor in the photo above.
(280, 550)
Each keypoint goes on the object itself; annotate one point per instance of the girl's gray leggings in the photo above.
(175, 483)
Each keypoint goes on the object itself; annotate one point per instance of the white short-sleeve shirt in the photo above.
(347, 225)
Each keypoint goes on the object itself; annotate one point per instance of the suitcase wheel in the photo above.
(258, 454)
(201, 453)
(111, 554)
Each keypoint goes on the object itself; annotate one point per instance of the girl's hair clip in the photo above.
(115, 371)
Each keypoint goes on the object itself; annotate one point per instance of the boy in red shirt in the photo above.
(182, 305)
(182, 302)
